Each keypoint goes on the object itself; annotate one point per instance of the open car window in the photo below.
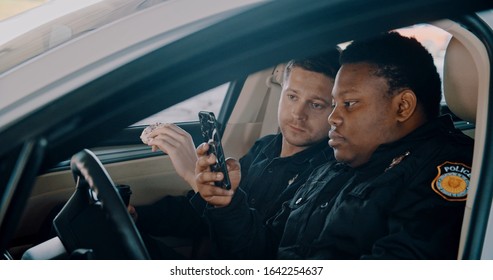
(187, 111)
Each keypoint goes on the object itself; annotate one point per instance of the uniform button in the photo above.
(324, 205)
(298, 201)
(252, 201)
(270, 170)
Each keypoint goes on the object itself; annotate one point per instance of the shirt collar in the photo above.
(385, 153)
(273, 150)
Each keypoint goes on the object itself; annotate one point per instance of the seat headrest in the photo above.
(277, 76)
(465, 72)
(460, 81)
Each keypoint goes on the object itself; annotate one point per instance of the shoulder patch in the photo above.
(452, 181)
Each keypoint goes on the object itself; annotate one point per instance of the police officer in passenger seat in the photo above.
(398, 188)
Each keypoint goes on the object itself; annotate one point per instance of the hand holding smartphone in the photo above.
(210, 134)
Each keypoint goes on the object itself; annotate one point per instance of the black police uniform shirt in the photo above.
(265, 177)
(406, 202)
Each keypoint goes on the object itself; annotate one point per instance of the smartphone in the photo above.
(210, 134)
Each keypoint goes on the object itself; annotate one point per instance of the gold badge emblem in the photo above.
(397, 160)
(292, 179)
(452, 181)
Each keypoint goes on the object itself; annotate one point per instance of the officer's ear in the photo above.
(405, 103)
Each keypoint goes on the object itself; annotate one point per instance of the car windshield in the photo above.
(31, 32)
(29, 28)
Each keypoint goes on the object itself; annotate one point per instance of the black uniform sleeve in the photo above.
(247, 160)
(240, 232)
(422, 225)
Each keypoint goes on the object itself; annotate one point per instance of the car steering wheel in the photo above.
(95, 223)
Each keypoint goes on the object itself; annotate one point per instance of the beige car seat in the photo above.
(466, 89)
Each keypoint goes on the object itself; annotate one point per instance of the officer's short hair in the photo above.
(404, 63)
(326, 63)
